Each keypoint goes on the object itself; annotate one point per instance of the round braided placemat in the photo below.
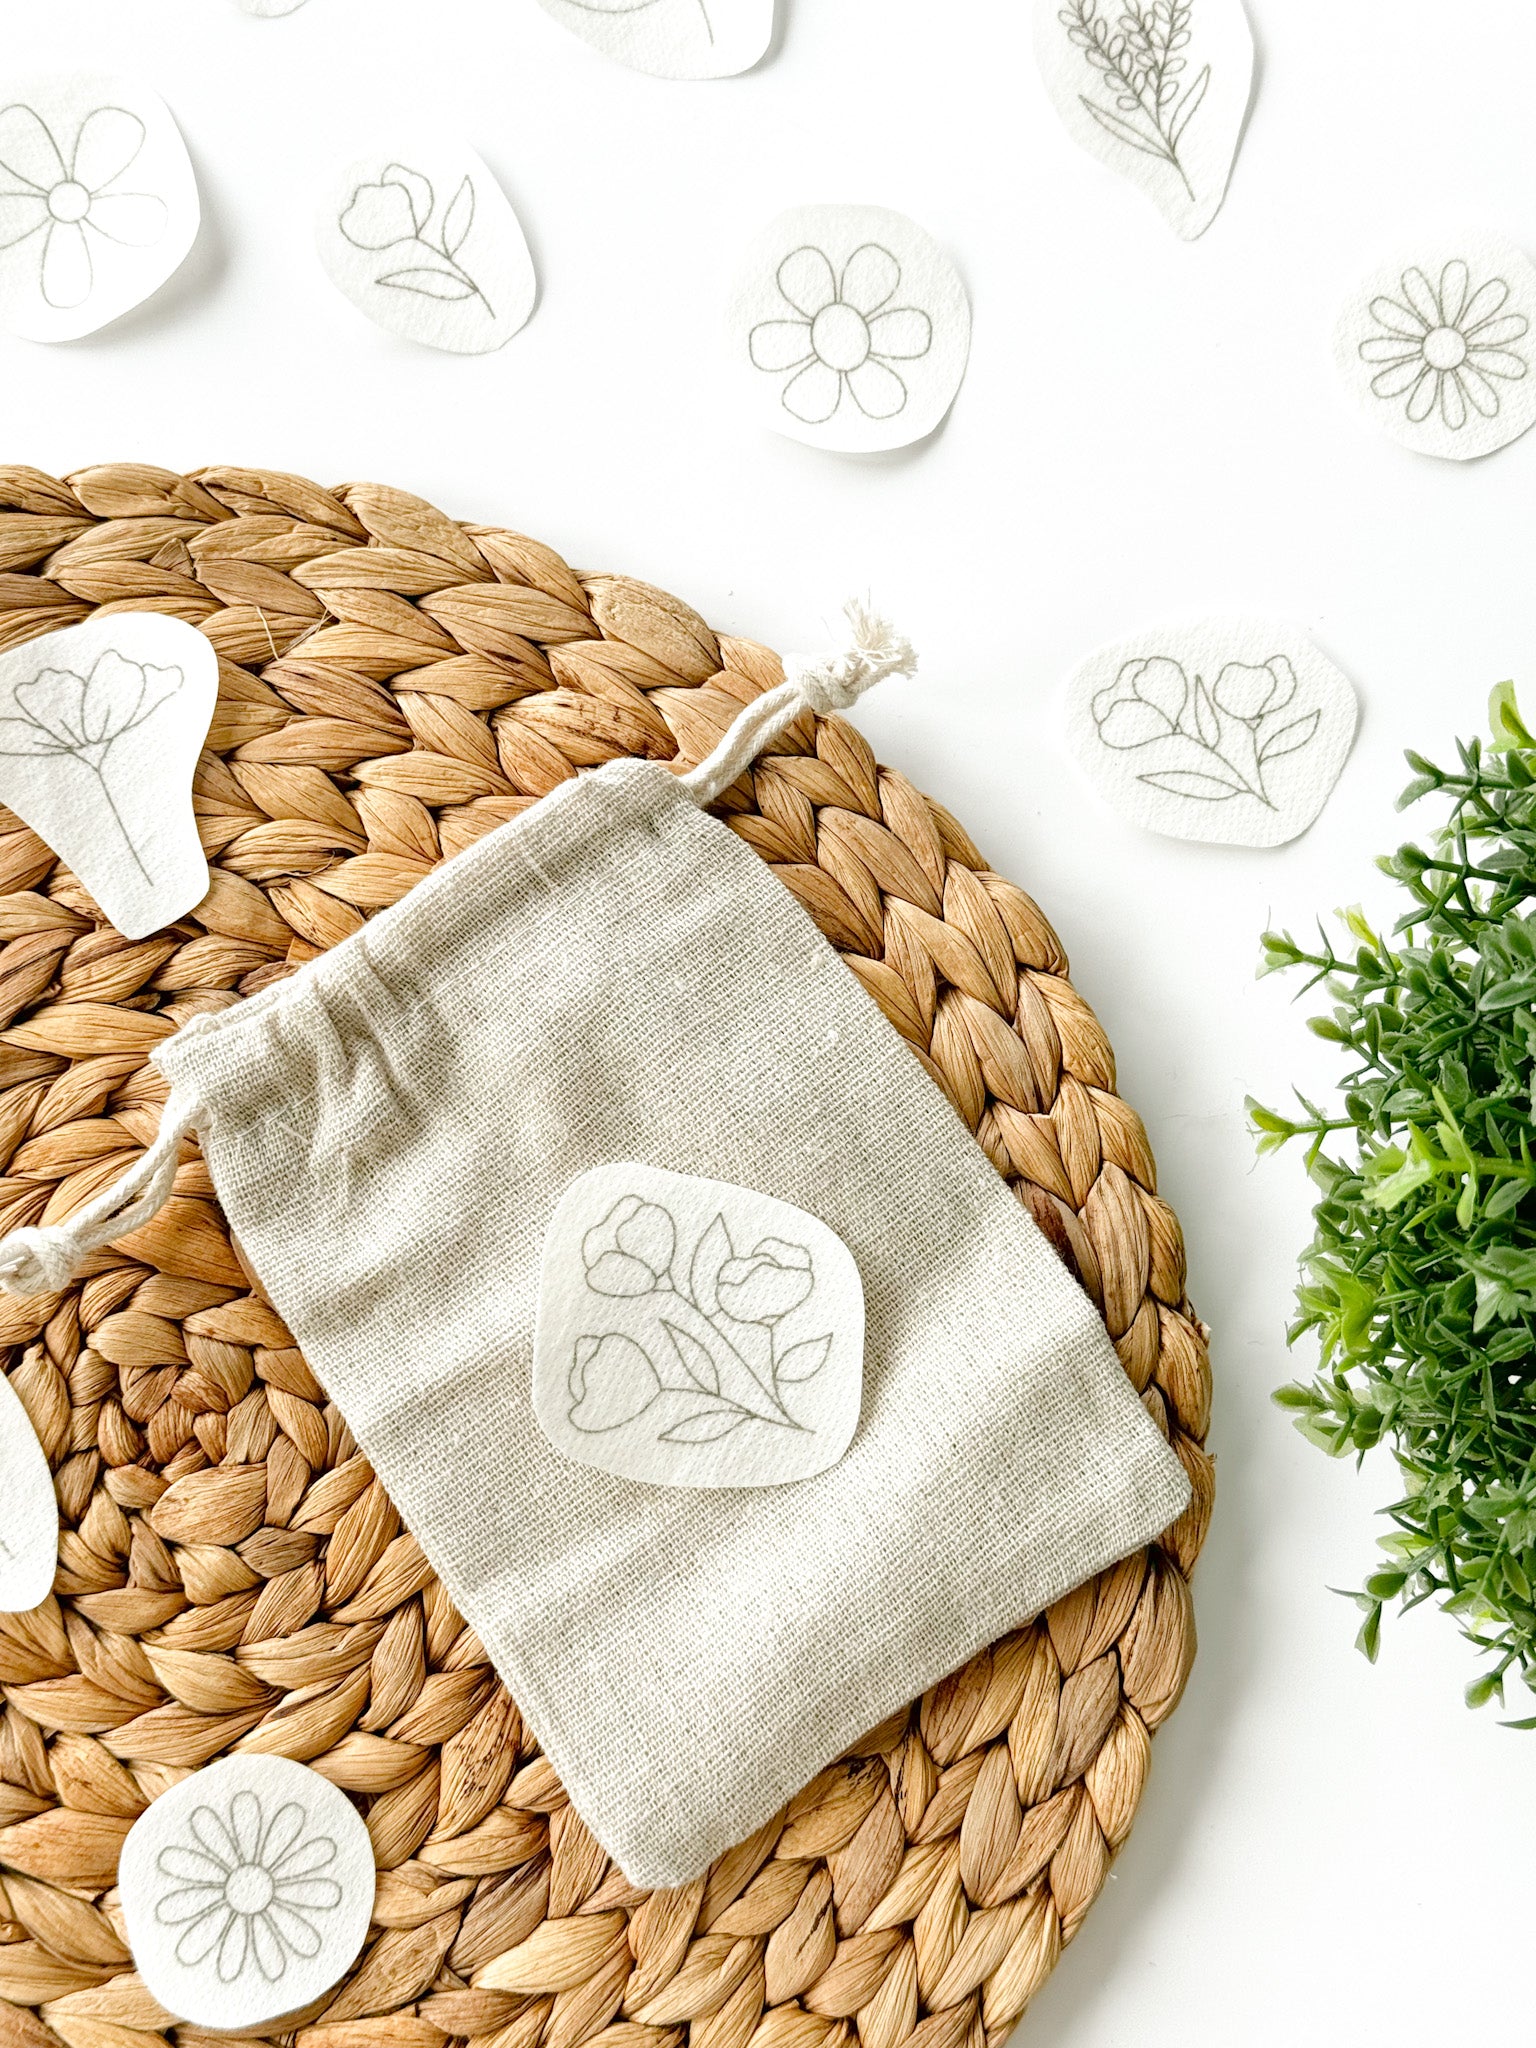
(232, 1577)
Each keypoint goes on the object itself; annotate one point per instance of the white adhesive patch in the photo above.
(29, 1510)
(1231, 731)
(672, 38)
(98, 203)
(101, 726)
(850, 328)
(1156, 89)
(1436, 345)
(422, 239)
(247, 1890)
(692, 1333)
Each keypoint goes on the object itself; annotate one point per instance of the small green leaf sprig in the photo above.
(1420, 1280)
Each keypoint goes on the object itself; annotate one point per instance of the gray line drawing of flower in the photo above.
(716, 1362)
(249, 1894)
(637, 7)
(844, 336)
(84, 717)
(397, 212)
(69, 200)
(1225, 731)
(1443, 344)
(1140, 57)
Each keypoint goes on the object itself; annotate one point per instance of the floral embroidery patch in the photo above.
(29, 1516)
(98, 203)
(1438, 347)
(1232, 731)
(247, 1890)
(694, 1333)
(852, 328)
(101, 726)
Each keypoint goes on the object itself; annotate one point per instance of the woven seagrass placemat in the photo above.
(231, 1575)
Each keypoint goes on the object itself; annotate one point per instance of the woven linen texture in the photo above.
(614, 976)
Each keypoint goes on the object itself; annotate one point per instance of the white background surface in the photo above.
(1328, 1853)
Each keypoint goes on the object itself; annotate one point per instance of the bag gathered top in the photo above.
(723, 1382)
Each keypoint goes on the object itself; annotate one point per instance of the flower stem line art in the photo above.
(397, 213)
(59, 713)
(638, 7)
(712, 1360)
(1226, 732)
(1140, 57)
(68, 200)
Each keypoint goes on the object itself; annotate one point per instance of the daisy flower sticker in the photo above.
(247, 1890)
(1437, 347)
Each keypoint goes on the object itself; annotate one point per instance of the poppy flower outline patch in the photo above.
(695, 1333)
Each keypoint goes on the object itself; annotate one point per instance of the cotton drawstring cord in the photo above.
(42, 1261)
(820, 683)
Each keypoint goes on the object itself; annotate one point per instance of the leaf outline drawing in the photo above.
(73, 198)
(720, 1362)
(843, 335)
(1442, 343)
(397, 211)
(1227, 731)
(612, 7)
(1140, 57)
(249, 1890)
(83, 717)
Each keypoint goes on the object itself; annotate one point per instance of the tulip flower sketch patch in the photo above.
(101, 726)
(423, 240)
(1231, 731)
(692, 1333)
(98, 203)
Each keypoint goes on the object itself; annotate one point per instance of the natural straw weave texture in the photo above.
(232, 1577)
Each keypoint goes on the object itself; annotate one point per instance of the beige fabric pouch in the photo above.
(613, 977)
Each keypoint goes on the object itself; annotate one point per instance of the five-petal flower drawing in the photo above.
(712, 1360)
(842, 336)
(61, 713)
(68, 201)
(1446, 345)
(250, 1893)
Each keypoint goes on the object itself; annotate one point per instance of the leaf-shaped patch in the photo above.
(1290, 739)
(429, 284)
(1211, 789)
(704, 1426)
(803, 1361)
(460, 218)
(694, 1359)
(714, 1248)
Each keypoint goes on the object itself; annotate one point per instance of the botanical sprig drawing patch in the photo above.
(672, 38)
(1157, 89)
(424, 241)
(850, 328)
(1438, 345)
(247, 1891)
(98, 203)
(1231, 731)
(693, 1333)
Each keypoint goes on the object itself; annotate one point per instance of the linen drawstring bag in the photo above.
(613, 990)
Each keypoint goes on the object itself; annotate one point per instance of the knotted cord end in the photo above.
(835, 682)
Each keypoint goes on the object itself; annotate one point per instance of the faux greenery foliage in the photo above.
(1421, 1278)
